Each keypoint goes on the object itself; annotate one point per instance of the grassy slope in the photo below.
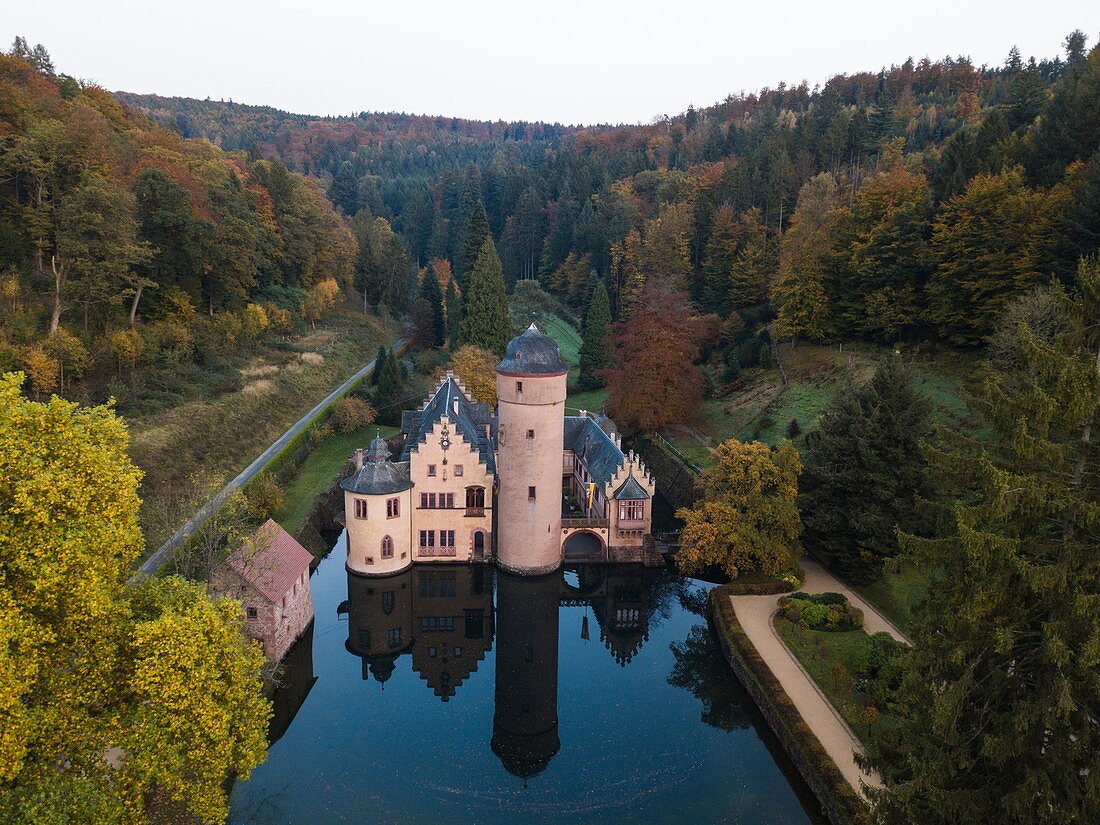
(569, 342)
(190, 451)
(839, 646)
(897, 594)
(318, 471)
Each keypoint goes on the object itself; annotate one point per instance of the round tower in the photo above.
(531, 409)
(378, 513)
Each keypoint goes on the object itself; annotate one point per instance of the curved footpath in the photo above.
(755, 614)
(154, 562)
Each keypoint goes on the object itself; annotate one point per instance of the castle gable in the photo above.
(473, 420)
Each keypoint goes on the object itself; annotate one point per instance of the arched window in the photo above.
(475, 501)
(387, 548)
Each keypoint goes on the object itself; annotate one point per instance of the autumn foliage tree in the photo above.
(475, 366)
(88, 664)
(747, 519)
(653, 379)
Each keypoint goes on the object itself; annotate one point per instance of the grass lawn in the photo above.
(897, 594)
(592, 400)
(318, 471)
(562, 334)
(836, 647)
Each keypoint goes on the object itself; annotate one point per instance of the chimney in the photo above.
(357, 456)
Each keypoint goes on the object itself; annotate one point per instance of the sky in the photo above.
(567, 61)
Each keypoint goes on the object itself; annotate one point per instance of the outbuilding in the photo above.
(269, 574)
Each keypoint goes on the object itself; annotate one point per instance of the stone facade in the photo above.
(269, 575)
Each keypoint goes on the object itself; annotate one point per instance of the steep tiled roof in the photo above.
(271, 561)
(597, 451)
(631, 489)
(470, 419)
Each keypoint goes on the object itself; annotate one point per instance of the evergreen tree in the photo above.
(1001, 688)
(366, 280)
(593, 355)
(477, 230)
(379, 361)
(485, 319)
(454, 312)
(390, 390)
(865, 472)
(429, 291)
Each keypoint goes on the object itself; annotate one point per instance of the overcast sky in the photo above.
(572, 61)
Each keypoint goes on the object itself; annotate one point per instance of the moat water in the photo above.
(462, 695)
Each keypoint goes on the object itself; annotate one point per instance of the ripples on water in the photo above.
(455, 694)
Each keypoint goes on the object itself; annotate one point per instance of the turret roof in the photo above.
(531, 353)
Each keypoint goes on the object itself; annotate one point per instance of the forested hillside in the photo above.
(126, 249)
(902, 204)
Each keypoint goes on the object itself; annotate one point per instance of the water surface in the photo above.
(454, 694)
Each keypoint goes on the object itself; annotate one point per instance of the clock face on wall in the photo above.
(445, 439)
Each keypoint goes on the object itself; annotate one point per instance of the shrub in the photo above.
(265, 497)
(169, 341)
(823, 611)
(317, 435)
(794, 429)
(352, 413)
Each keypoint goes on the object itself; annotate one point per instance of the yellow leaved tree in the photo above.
(474, 366)
(107, 692)
(747, 519)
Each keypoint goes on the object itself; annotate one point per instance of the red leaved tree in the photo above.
(653, 380)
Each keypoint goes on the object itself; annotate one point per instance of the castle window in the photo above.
(393, 507)
(369, 559)
(395, 637)
(387, 548)
(446, 538)
(458, 470)
(387, 602)
(431, 652)
(531, 493)
(530, 433)
(447, 500)
(519, 387)
(360, 508)
(431, 471)
(253, 613)
(427, 538)
(631, 510)
(458, 652)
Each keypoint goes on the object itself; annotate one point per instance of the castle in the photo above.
(525, 485)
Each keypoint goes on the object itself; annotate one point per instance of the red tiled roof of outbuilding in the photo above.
(271, 561)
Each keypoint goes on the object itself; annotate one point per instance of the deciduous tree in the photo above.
(747, 519)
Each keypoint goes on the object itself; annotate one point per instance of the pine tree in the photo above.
(865, 472)
(1001, 689)
(485, 319)
(429, 291)
(454, 312)
(477, 230)
(593, 355)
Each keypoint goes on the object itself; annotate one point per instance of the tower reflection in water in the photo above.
(525, 724)
(443, 617)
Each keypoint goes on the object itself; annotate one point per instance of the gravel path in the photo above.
(755, 615)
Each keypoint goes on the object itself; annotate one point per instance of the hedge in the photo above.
(841, 802)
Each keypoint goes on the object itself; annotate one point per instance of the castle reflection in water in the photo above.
(443, 618)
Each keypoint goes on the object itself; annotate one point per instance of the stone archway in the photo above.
(583, 544)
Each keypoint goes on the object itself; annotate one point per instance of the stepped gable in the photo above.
(531, 353)
(473, 420)
(271, 561)
(595, 448)
(378, 475)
